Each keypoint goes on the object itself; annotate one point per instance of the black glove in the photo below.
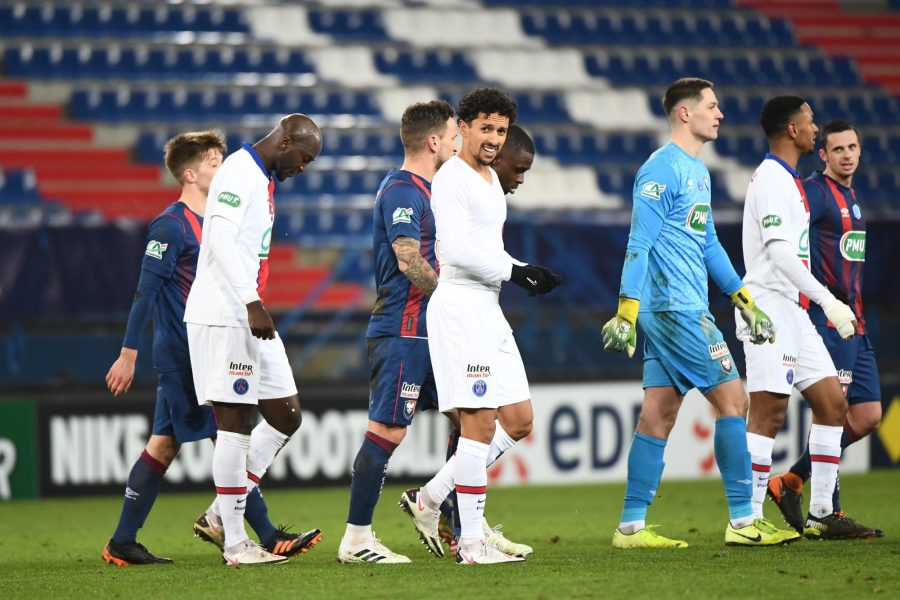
(535, 279)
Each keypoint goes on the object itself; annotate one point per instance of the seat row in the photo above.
(652, 29)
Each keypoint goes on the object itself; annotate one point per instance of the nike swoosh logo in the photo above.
(758, 537)
(531, 281)
(241, 501)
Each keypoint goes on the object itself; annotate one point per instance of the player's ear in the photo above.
(189, 176)
(432, 142)
(823, 155)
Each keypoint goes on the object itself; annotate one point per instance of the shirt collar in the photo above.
(256, 159)
(786, 166)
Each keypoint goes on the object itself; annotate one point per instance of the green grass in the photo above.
(51, 548)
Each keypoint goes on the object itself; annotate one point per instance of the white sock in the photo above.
(825, 456)
(440, 486)
(760, 448)
(632, 527)
(470, 476)
(230, 477)
(265, 444)
(212, 513)
(499, 444)
(357, 534)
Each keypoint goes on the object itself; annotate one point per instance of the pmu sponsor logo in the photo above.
(718, 350)
(853, 246)
(697, 218)
(240, 369)
(771, 221)
(410, 390)
(478, 371)
(229, 199)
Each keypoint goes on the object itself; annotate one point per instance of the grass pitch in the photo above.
(51, 548)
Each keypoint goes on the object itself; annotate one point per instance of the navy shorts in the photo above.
(400, 379)
(684, 350)
(854, 360)
(177, 413)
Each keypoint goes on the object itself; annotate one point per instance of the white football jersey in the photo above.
(240, 191)
(469, 214)
(775, 209)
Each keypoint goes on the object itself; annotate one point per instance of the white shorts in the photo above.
(474, 355)
(798, 358)
(230, 365)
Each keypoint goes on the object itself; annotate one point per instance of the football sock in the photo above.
(471, 488)
(449, 507)
(230, 477)
(733, 458)
(265, 443)
(140, 494)
(369, 468)
(825, 456)
(357, 534)
(803, 467)
(500, 443)
(437, 490)
(645, 467)
(760, 448)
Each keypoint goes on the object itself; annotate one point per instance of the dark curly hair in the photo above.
(487, 101)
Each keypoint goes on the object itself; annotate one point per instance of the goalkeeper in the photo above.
(672, 250)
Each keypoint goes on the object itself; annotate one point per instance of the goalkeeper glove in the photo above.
(760, 326)
(620, 332)
(842, 318)
(535, 279)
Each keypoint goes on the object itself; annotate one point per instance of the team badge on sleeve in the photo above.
(232, 200)
(402, 215)
(155, 249)
(652, 189)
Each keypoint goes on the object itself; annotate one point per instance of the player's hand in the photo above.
(121, 373)
(760, 326)
(260, 321)
(843, 319)
(535, 279)
(620, 332)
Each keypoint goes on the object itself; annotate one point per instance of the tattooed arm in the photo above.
(413, 265)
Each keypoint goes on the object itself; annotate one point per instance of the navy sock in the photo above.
(449, 507)
(369, 469)
(803, 467)
(257, 515)
(140, 494)
(645, 467)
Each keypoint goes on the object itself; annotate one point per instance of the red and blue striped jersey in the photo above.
(173, 245)
(837, 241)
(402, 208)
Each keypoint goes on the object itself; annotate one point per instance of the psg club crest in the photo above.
(409, 407)
(479, 388)
(790, 376)
(240, 386)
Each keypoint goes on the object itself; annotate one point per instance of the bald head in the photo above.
(294, 143)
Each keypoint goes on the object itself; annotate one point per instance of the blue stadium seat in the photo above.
(18, 187)
(359, 25)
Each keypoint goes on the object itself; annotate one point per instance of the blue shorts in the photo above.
(400, 379)
(854, 360)
(177, 413)
(684, 350)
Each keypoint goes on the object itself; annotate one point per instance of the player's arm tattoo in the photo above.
(413, 265)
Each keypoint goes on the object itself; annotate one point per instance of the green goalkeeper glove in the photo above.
(760, 326)
(620, 332)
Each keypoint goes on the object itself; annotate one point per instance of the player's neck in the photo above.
(194, 199)
(844, 181)
(423, 166)
(786, 151)
(688, 142)
(483, 170)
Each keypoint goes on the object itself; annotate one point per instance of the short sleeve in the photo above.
(773, 198)
(401, 210)
(165, 241)
(232, 191)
